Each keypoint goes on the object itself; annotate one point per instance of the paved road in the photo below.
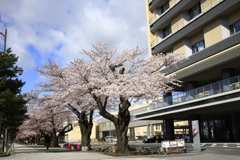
(24, 152)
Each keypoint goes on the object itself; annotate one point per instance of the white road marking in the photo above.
(213, 145)
(225, 145)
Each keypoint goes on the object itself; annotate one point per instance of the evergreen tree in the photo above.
(12, 102)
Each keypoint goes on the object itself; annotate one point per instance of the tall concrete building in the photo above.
(207, 31)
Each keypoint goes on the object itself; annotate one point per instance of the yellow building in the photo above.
(207, 31)
(136, 128)
(140, 127)
(75, 134)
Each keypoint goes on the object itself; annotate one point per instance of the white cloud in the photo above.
(73, 24)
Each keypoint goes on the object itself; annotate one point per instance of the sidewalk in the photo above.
(28, 152)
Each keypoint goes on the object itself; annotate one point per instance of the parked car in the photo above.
(140, 137)
(115, 139)
(152, 139)
(109, 138)
(186, 137)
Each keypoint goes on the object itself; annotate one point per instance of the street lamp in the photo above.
(4, 37)
(19, 70)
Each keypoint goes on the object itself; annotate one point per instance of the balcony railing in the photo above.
(208, 90)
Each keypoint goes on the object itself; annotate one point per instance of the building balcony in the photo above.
(155, 3)
(165, 19)
(153, 19)
(206, 95)
(221, 46)
(195, 25)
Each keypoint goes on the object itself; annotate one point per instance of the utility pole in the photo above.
(5, 39)
(20, 71)
(5, 43)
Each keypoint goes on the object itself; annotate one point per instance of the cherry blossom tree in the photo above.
(54, 118)
(112, 80)
(122, 78)
(81, 105)
(45, 117)
(29, 128)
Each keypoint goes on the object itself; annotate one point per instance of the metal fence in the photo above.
(204, 91)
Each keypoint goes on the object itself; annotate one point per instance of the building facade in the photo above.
(135, 128)
(141, 127)
(207, 31)
(75, 134)
(103, 127)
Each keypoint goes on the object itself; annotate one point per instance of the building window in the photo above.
(197, 47)
(194, 11)
(167, 31)
(164, 7)
(234, 28)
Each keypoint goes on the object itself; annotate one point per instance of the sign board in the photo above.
(196, 135)
(195, 131)
(172, 144)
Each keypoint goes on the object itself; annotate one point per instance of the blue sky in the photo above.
(60, 29)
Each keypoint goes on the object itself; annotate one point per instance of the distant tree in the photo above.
(12, 102)
(45, 117)
(112, 79)
(29, 128)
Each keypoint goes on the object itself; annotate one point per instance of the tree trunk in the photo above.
(55, 141)
(121, 122)
(121, 129)
(38, 141)
(30, 140)
(85, 138)
(86, 129)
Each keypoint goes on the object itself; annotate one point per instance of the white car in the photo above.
(115, 139)
(109, 138)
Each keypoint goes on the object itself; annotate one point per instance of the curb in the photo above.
(10, 150)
